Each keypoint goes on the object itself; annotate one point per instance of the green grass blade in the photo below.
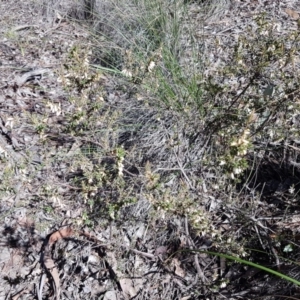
(249, 263)
(115, 71)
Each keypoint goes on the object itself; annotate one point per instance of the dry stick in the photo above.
(148, 255)
(233, 102)
(257, 232)
(92, 142)
(198, 268)
(183, 172)
(239, 95)
(22, 27)
(93, 238)
(19, 294)
(278, 264)
(257, 222)
(276, 108)
(159, 257)
(21, 80)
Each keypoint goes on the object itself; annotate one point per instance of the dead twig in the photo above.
(30, 75)
(148, 255)
(196, 260)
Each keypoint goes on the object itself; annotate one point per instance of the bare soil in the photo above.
(55, 243)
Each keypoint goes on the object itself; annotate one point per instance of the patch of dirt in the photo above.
(48, 248)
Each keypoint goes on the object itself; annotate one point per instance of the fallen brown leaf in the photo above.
(177, 267)
(128, 288)
(60, 234)
(49, 263)
(293, 14)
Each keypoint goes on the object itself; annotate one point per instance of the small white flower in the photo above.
(292, 189)
(127, 73)
(151, 66)
(55, 108)
(237, 170)
(222, 163)
(86, 62)
(240, 62)
(243, 141)
(247, 132)
(288, 248)
(243, 152)
(120, 167)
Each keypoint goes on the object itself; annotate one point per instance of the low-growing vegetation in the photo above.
(161, 126)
